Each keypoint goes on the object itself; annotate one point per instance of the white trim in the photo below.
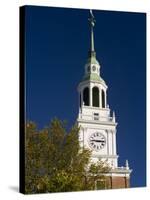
(100, 109)
(104, 156)
(96, 122)
(112, 143)
(82, 83)
(107, 142)
(97, 128)
(126, 174)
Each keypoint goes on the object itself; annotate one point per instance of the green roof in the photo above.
(93, 77)
(92, 60)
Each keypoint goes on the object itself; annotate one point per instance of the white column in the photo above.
(110, 137)
(100, 97)
(105, 99)
(90, 91)
(107, 142)
(114, 141)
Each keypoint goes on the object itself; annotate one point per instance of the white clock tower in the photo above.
(97, 123)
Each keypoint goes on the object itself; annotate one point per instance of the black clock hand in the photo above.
(97, 140)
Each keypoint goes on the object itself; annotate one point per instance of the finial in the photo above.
(113, 113)
(114, 118)
(127, 164)
(92, 24)
(92, 18)
(79, 110)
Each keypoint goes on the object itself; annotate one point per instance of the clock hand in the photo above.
(97, 140)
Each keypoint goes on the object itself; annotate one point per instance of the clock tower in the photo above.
(96, 121)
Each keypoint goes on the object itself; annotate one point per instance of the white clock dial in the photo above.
(97, 141)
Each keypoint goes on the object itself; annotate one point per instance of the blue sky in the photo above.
(57, 41)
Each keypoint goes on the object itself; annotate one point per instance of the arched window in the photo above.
(86, 96)
(103, 99)
(95, 96)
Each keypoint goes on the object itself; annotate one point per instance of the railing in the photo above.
(95, 118)
(122, 168)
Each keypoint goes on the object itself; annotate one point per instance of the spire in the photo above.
(92, 24)
(92, 66)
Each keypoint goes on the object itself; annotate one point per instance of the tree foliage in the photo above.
(54, 161)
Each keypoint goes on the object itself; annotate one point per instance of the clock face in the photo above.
(97, 141)
(94, 68)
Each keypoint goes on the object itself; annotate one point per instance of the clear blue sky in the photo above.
(57, 44)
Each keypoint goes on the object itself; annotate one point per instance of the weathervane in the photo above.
(92, 19)
(92, 24)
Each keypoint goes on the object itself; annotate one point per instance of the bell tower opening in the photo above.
(86, 96)
(103, 99)
(95, 96)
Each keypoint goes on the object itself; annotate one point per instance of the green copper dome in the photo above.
(93, 77)
(92, 60)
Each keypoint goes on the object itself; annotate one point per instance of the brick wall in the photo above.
(115, 182)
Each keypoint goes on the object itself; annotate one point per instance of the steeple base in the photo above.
(115, 179)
